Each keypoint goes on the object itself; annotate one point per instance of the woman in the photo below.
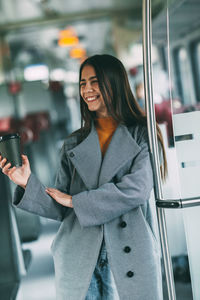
(106, 247)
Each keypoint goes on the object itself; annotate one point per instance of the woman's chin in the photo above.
(93, 107)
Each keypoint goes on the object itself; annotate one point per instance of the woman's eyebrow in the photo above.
(92, 77)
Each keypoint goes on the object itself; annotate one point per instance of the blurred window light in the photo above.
(71, 76)
(36, 72)
(134, 56)
(57, 75)
(183, 54)
(63, 75)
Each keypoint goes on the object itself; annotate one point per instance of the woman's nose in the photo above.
(88, 87)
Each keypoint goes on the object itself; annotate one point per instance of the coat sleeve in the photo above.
(34, 198)
(111, 200)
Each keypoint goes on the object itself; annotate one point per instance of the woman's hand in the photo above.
(19, 175)
(62, 198)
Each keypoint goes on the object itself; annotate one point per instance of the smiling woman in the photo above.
(106, 247)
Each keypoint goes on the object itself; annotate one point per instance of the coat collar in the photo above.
(87, 157)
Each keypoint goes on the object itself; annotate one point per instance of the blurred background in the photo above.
(42, 44)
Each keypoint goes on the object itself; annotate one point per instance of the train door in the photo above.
(176, 36)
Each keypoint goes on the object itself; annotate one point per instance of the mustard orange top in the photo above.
(105, 128)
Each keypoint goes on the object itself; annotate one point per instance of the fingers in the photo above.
(25, 159)
(2, 162)
(6, 168)
(54, 193)
(52, 190)
(61, 198)
(11, 171)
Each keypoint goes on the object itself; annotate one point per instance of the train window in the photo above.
(195, 60)
(198, 70)
(183, 71)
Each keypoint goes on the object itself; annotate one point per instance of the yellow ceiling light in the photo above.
(68, 41)
(77, 52)
(69, 31)
(68, 37)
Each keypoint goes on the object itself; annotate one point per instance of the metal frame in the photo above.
(152, 132)
(69, 17)
(178, 203)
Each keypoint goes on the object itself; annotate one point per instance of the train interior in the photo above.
(42, 44)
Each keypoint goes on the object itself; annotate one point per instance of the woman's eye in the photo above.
(94, 81)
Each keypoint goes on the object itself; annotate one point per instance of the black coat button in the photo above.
(123, 224)
(71, 154)
(130, 274)
(127, 249)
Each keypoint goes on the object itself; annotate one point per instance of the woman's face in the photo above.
(90, 92)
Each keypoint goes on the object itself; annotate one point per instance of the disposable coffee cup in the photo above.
(10, 149)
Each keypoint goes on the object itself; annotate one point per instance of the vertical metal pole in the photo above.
(152, 132)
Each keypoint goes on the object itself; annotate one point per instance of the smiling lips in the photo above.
(92, 98)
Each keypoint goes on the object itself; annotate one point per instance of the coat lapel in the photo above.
(122, 149)
(87, 158)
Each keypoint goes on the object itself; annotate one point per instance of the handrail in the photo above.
(148, 87)
(152, 132)
(178, 203)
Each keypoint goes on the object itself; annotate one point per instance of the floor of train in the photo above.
(39, 283)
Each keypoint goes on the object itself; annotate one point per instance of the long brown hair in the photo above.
(118, 97)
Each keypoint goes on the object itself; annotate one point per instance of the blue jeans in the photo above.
(102, 285)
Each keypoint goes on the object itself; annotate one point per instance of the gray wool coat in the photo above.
(111, 200)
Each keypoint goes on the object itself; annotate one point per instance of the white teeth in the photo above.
(91, 98)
